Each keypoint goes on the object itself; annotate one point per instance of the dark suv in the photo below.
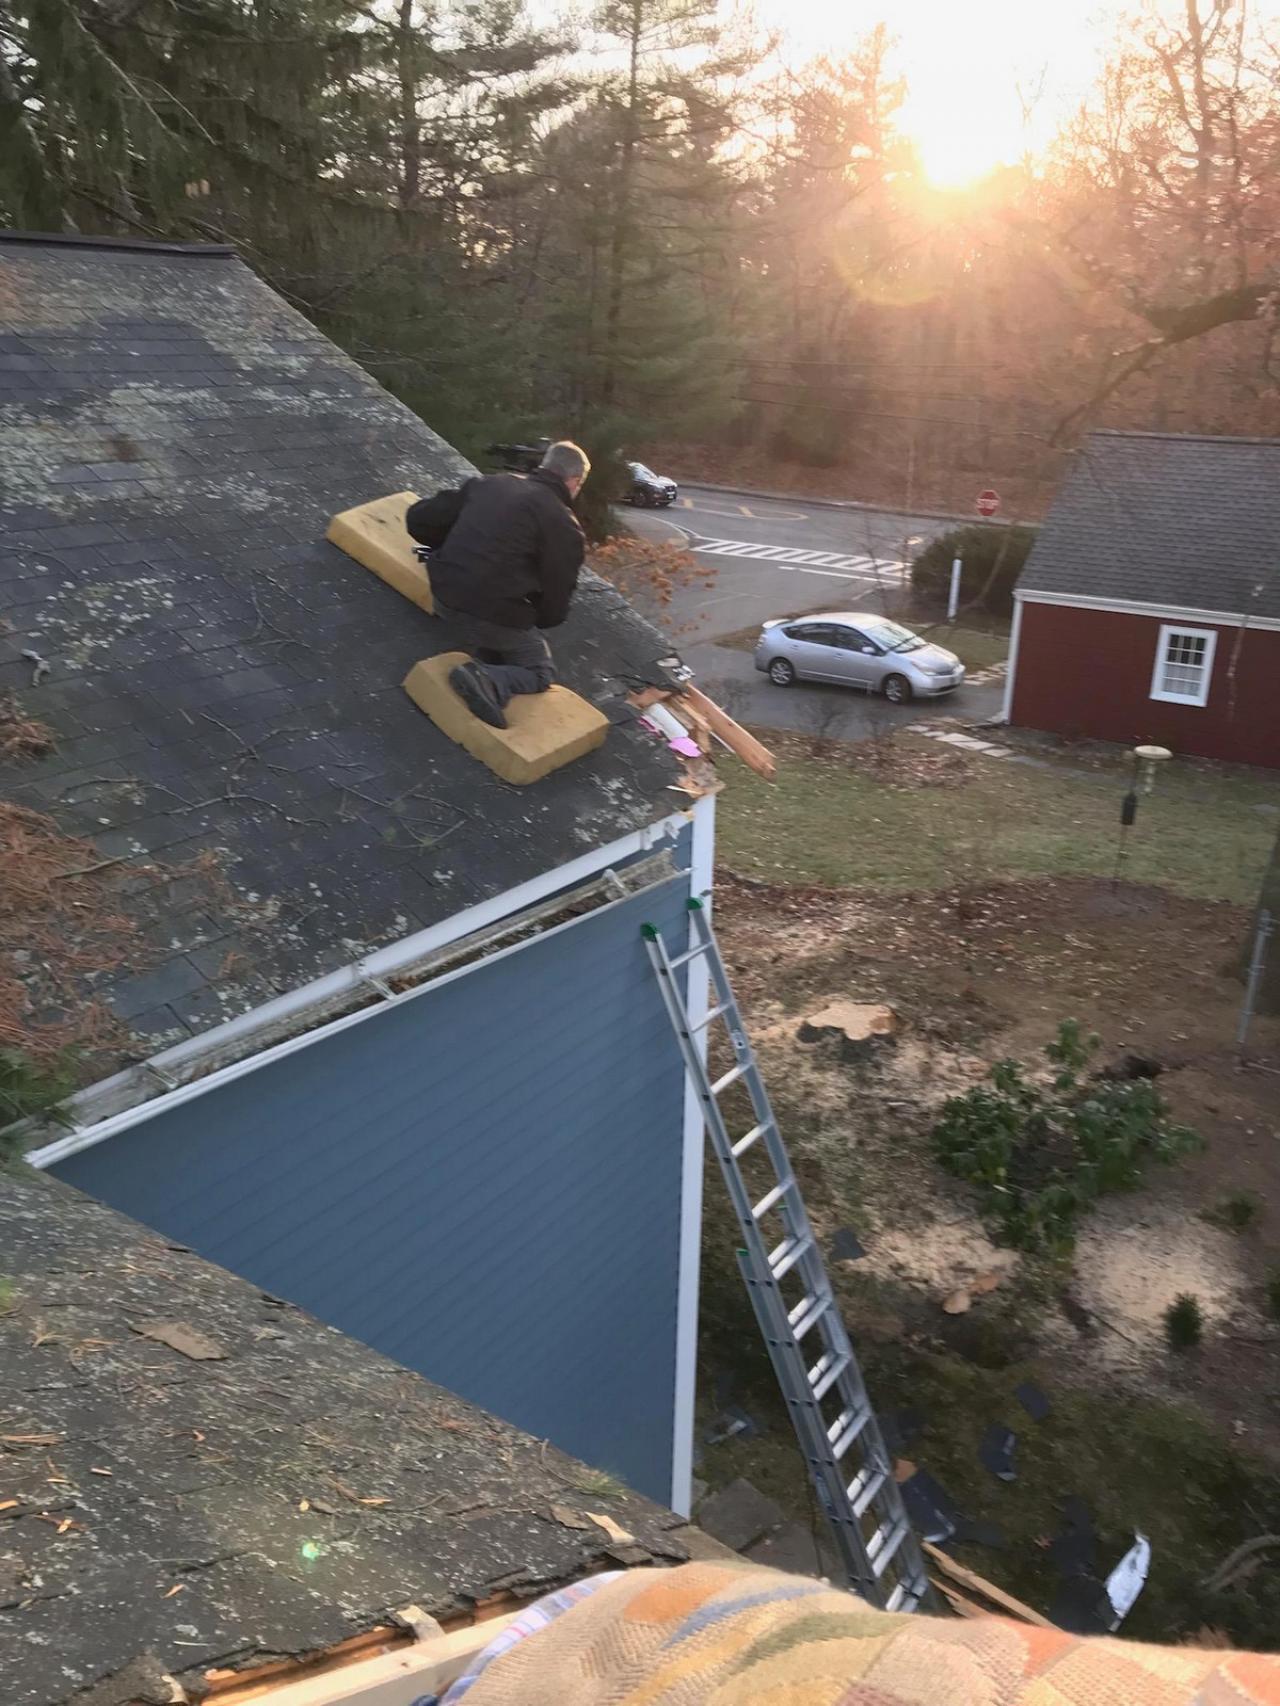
(650, 490)
(520, 458)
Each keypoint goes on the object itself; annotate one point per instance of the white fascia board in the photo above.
(690, 1244)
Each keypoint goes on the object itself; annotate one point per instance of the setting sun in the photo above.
(953, 156)
(986, 85)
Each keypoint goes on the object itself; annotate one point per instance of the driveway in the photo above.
(730, 677)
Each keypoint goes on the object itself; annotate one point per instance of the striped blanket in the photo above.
(726, 1634)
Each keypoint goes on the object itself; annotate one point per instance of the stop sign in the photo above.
(988, 502)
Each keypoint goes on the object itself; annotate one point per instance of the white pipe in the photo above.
(953, 601)
(1014, 636)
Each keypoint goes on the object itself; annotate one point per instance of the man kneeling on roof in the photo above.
(505, 554)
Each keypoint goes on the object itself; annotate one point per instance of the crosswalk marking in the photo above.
(835, 563)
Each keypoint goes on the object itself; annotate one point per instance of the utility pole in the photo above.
(1257, 965)
(1268, 991)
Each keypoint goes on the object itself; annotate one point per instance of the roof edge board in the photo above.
(88, 1137)
(139, 245)
(1134, 607)
(116, 1101)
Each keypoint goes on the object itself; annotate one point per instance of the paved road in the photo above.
(777, 558)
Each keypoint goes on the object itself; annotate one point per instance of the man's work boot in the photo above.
(478, 694)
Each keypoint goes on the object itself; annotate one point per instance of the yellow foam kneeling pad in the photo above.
(374, 534)
(546, 729)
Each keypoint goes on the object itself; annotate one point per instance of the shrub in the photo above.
(30, 1089)
(1236, 1212)
(993, 558)
(1040, 1155)
(1184, 1323)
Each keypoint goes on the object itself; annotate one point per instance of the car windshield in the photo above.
(892, 636)
(641, 472)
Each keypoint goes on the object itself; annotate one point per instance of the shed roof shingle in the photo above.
(1165, 519)
(174, 439)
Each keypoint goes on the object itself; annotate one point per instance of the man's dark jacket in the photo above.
(506, 547)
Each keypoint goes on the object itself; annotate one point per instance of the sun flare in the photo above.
(953, 157)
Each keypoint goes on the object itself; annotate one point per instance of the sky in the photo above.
(963, 64)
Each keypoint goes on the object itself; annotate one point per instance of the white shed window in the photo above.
(1184, 663)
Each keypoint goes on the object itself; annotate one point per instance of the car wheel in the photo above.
(897, 690)
(782, 673)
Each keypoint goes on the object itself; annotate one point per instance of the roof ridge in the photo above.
(144, 245)
(1182, 437)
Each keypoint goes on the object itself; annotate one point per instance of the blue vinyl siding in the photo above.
(482, 1182)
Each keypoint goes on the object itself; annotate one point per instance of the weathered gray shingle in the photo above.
(173, 441)
(1166, 519)
(272, 1502)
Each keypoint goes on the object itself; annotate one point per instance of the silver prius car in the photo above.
(857, 649)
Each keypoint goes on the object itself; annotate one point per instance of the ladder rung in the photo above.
(827, 1370)
(846, 1428)
(741, 1146)
(771, 1197)
(689, 954)
(785, 1255)
(806, 1313)
(730, 1077)
(885, 1542)
(903, 1592)
(711, 1017)
(866, 1487)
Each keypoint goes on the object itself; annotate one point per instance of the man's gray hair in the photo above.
(568, 460)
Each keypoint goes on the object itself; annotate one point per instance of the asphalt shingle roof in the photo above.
(161, 1514)
(1166, 519)
(173, 441)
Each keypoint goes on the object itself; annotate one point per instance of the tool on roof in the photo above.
(827, 1400)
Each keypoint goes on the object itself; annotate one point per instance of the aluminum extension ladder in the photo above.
(835, 1424)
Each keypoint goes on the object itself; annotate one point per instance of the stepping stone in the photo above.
(846, 1246)
(374, 534)
(996, 1451)
(797, 1550)
(932, 1514)
(977, 1531)
(1081, 1605)
(1033, 1400)
(546, 730)
(738, 1515)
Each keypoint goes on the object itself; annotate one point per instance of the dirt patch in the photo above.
(1134, 1257)
(894, 758)
(983, 972)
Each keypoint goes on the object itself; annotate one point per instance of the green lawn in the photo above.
(1203, 832)
(978, 641)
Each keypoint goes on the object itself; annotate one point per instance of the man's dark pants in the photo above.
(516, 660)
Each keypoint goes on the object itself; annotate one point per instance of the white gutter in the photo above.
(690, 1248)
(131, 1088)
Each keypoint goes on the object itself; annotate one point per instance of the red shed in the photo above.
(1149, 609)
